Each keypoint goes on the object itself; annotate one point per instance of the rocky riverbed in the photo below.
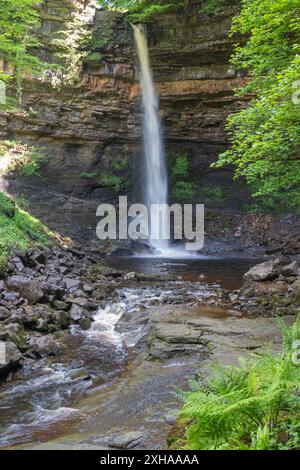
(95, 348)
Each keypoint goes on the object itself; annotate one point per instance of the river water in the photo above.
(47, 398)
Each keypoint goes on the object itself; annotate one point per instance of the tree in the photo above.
(19, 20)
(265, 137)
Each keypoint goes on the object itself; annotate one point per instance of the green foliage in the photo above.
(140, 10)
(113, 181)
(181, 187)
(181, 165)
(18, 229)
(88, 174)
(254, 406)
(94, 57)
(213, 193)
(265, 137)
(28, 162)
(210, 7)
(183, 190)
(19, 20)
(72, 44)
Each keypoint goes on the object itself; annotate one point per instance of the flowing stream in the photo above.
(52, 397)
(156, 172)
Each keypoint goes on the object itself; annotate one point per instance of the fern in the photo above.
(245, 407)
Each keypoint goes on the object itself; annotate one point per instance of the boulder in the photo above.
(77, 313)
(43, 346)
(291, 270)
(10, 357)
(29, 288)
(127, 440)
(267, 271)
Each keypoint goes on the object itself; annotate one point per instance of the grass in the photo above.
(18, 230)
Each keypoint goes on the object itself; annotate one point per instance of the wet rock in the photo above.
(266, 271)
(10, 357)
(29, 288)
(128, 440)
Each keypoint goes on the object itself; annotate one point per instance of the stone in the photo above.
(267, 271)
(10, 357)
(18, 264)
(178, 333)
(291, 270)
(13, 297)
(28, 288)
(36, 258)
(72, 284)
(77, 313)
(128, 440)
(62, 318)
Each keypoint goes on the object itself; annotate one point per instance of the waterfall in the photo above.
(156, 191)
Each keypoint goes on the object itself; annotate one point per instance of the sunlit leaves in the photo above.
(265, 138)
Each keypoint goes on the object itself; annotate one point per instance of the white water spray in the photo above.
(156, 172)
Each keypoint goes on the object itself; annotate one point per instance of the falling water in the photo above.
(156, 172)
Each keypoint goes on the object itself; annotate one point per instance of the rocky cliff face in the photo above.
(91, 128)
